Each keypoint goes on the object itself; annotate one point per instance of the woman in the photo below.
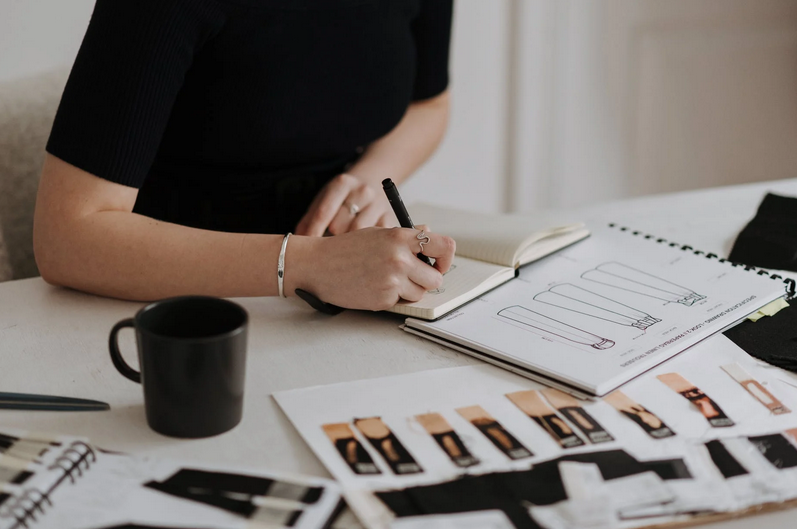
(194, 134)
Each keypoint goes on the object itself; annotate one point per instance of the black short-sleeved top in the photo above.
(232, 114)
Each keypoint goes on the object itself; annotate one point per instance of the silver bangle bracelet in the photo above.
(281, 266)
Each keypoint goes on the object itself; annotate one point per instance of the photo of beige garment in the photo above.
(710, 409)
(755, 388)
(495, 432)
(649, 422)
(388, 445)
(350, 448)
(534, 406)
(438, 427)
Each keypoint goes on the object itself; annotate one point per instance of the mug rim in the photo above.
(228, 334)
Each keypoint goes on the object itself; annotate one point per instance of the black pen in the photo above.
(401, 212)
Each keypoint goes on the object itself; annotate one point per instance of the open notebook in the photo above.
(490, 248)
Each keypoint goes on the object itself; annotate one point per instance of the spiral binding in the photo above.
(26, 507)
(789, 283)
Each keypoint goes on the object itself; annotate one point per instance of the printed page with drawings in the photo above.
(601, 312)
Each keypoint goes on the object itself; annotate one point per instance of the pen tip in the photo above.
(387, 182)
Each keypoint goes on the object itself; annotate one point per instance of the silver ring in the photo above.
(423, 239)
(354, 209)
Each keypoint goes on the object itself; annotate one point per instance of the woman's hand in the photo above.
(345, 204)
(370, 269)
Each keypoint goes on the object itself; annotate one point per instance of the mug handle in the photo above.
(119, 362)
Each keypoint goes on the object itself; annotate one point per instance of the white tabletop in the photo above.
(54, 341)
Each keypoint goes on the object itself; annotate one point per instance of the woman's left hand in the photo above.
(345, 204)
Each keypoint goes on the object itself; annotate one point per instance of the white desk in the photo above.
(55, 341)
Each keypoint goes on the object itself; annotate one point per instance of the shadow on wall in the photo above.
(27, 109)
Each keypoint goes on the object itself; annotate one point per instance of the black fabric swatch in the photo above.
(512, 492)
(772, 339)
(668, 469)
(6, 441)
(22, 477)
(214, 488)
(724, 461)
(777, 449)
(770, 239)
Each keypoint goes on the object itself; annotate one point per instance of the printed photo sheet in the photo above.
(81, 486)
(601, 312)
(687, 439)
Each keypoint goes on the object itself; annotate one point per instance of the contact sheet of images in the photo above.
(370, 446)
(435, 438)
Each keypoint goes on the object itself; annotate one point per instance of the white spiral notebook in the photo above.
(599, 313)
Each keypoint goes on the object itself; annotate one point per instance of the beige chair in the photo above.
(27, 108)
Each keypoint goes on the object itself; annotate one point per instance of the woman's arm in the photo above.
(87, 237)
(396, 155)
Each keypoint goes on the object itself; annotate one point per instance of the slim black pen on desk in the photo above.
(404, 220)
(24, 401)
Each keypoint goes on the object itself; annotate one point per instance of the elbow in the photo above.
(46, 253)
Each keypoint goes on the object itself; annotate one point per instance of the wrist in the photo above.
(299, 255)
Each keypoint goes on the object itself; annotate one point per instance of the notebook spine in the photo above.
(789, 284)
(26, 508)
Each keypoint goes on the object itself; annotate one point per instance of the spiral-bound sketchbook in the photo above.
(63, 482)
(597, 314)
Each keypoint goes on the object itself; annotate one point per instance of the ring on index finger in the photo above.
(423, 239)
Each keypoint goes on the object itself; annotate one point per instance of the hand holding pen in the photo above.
(374, 268)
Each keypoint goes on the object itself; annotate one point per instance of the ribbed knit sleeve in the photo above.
(432, 33)
(124, 82)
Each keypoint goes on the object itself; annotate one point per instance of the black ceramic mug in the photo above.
(192, 353)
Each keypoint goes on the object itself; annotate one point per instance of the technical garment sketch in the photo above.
(620, 276)
(576, 299)
(557, 328)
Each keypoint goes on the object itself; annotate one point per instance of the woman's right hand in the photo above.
(371, 268)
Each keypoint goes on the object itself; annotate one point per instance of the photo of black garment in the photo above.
(356, 456)
(236, 493)
(13, 475)
(511, 492)
(660, 432)
(710, 409)
(724, 461)
(350, 449)
(777, 449)
(456, 450)
(502, 439)
(27, 449)
(139, 526)
(587, 424)
(557, 429)
(388, 445)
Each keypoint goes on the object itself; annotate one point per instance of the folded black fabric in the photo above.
(772, 339)
(513, 492)
(770, 239)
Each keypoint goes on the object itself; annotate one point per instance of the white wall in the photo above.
(38, 35)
